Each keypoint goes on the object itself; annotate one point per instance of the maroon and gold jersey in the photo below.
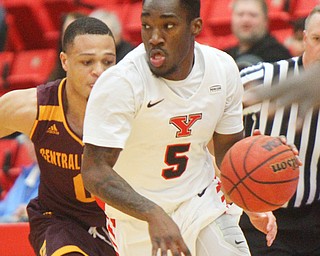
(59, 153)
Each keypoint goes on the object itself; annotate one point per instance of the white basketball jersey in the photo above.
(163, 135)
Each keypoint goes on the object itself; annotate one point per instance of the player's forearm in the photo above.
(101, 180)
(222, 144)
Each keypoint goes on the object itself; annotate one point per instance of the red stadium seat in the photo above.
(219, 17)
(119, 9)
(57, 8)
(302, 8)
(6, 60)
(14, 239)
(278, 17)
(92, 4)
(31, 68)
(132, 25)
(206, 33)
(14, 42)
(224, 42)
(14, 156)
(32, 23)
(282, 34)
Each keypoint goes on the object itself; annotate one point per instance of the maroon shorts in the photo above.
(51, 234)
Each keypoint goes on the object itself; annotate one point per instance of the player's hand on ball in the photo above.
(266, 223)
(293, 148)
(284, 141)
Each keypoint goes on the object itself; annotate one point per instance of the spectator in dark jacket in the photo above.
(250, 26)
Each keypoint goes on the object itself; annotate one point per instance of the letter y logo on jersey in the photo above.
(184, 123)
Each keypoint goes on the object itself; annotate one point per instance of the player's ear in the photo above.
(196, 26)
(64, 60)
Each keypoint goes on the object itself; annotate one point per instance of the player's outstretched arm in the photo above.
(101, 180)
(18, 111)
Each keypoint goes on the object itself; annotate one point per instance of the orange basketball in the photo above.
(259, 173)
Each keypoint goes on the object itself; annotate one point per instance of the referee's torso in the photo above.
(283, 121)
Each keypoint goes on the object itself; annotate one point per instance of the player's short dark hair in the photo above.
(192, 7)
(83, 26)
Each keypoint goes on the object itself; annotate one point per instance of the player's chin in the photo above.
(162, 71)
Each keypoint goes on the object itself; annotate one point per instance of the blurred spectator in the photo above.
(3, 28)
(13, 157)
(13, 206)
(249, 24)
(58, 72)
(294, 43)
(113, 22)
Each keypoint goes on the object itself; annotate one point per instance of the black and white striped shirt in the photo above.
(282, 122)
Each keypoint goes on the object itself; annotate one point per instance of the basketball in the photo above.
(259, 173)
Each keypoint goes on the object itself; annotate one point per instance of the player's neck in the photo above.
(74, 109)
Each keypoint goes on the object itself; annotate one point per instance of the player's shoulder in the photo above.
(217, 59)
(18, 109)
(49, 86)
(19, 96)
(209, 50)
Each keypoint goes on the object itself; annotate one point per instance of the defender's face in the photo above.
(86, 59)
(168, 38)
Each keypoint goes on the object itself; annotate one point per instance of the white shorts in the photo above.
(206, 229)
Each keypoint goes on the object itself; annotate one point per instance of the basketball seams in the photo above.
(241, 180)
(248, 196)
(254, 169)
(263, 163)
(231, 161)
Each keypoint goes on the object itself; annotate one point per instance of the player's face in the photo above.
(311, 41)
(168, 38)
(86, 59)
(249, 23)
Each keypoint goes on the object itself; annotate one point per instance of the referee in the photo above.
(298, 220)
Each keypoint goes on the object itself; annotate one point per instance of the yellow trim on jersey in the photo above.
(43, 248)
(50, 113)
(68, 249)
(60, 93)
(35, 124)
(55, 113)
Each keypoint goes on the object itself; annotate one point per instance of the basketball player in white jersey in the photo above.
(147, 126)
